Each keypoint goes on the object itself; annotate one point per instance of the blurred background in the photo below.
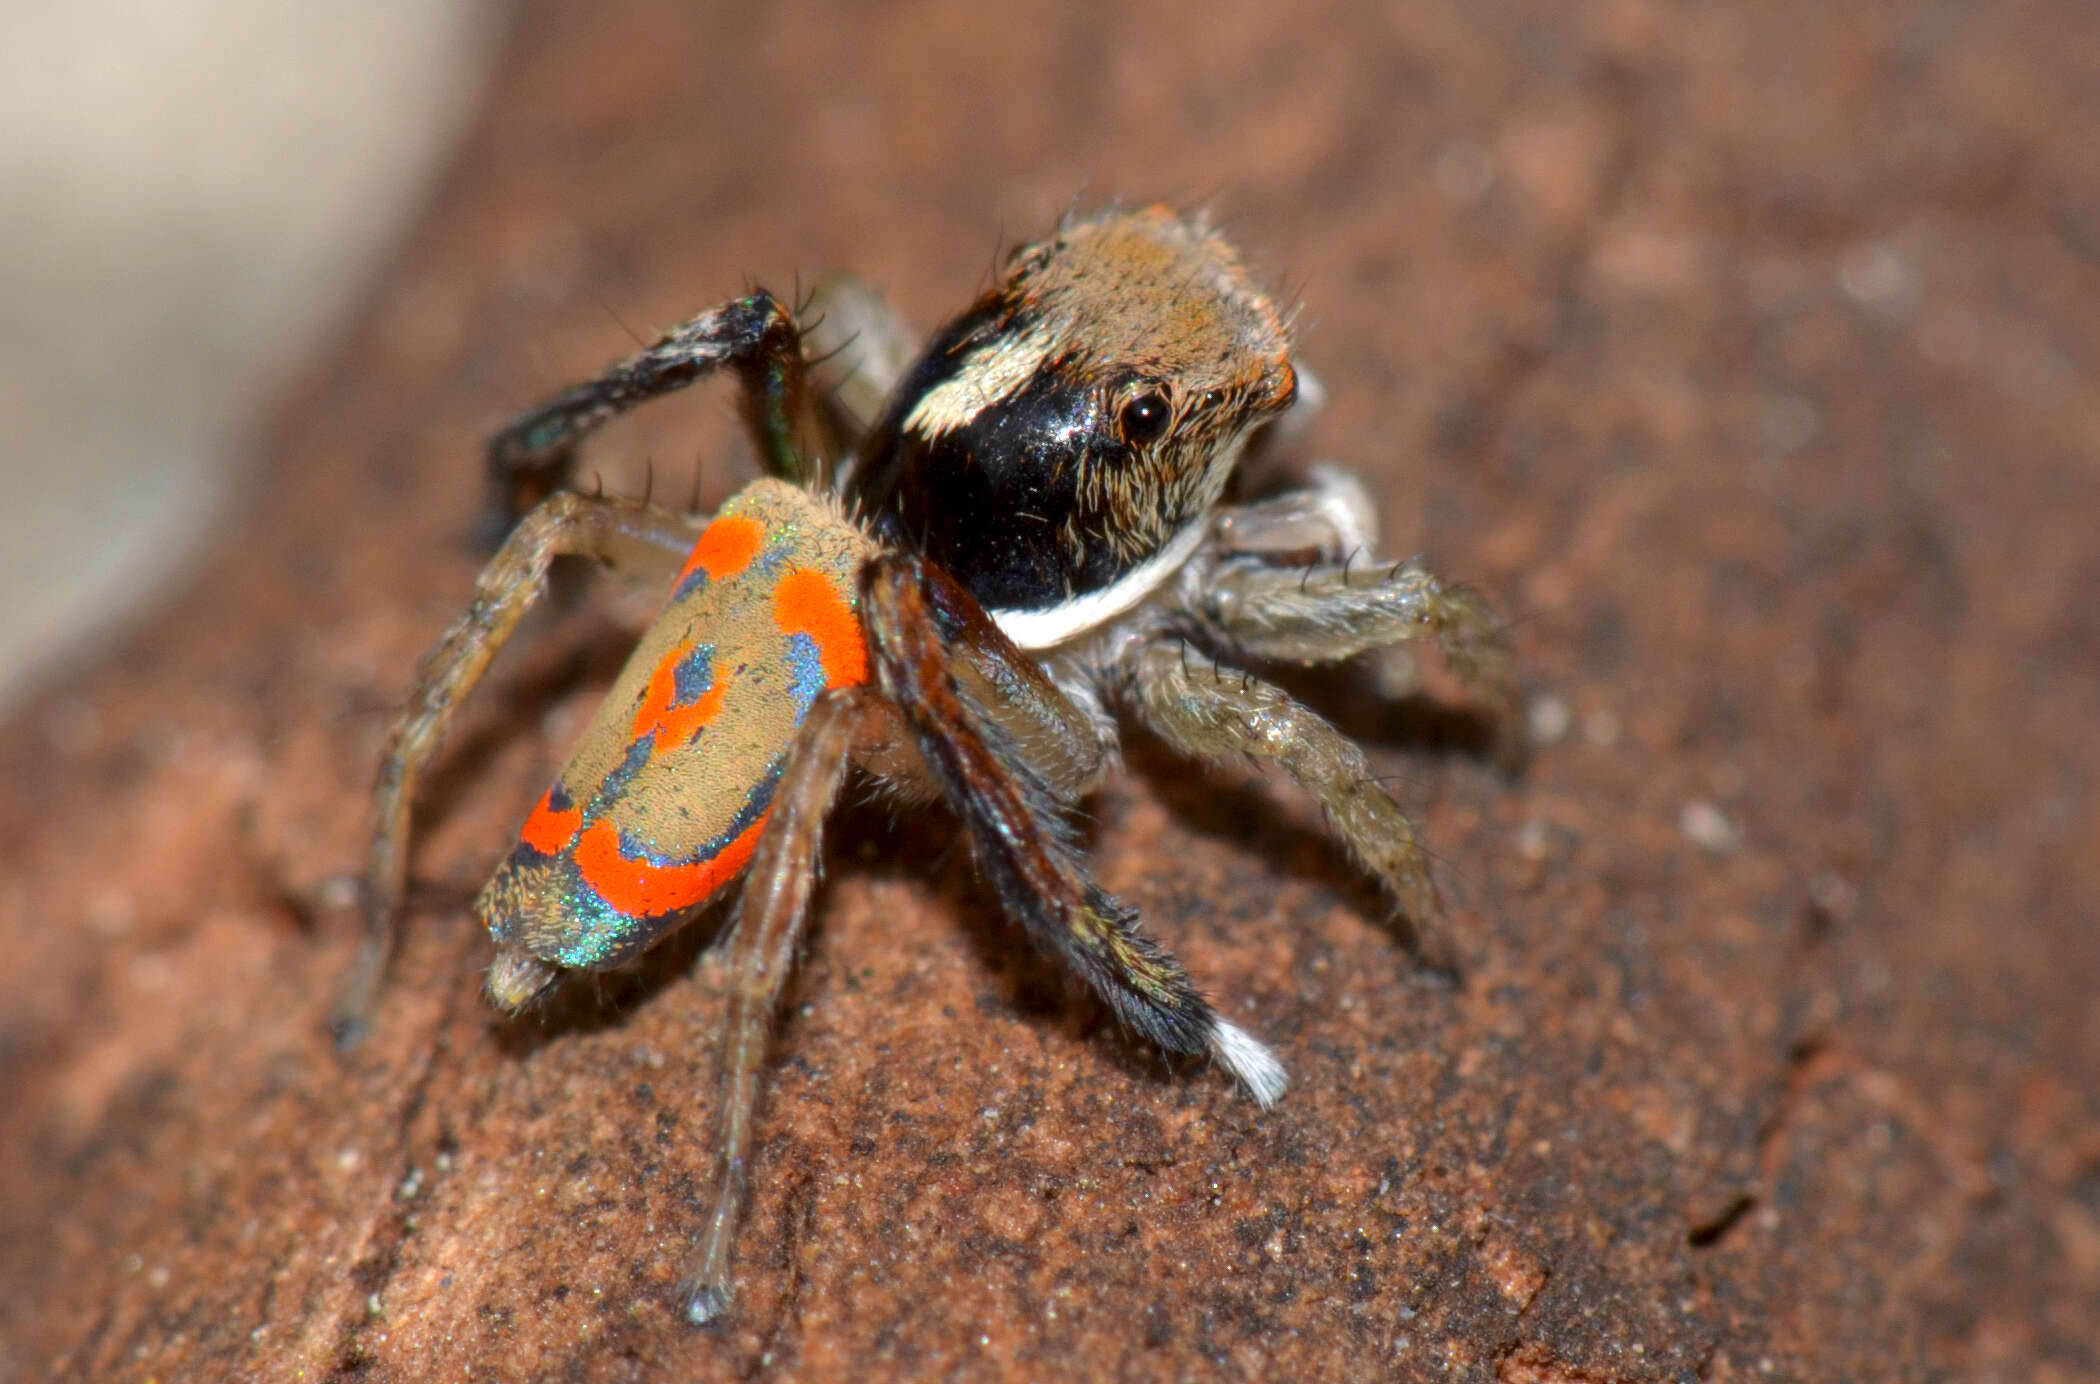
(188, 190)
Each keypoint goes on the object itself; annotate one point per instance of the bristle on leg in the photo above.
(1250, 1060)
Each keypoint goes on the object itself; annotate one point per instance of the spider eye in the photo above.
(1144, 419)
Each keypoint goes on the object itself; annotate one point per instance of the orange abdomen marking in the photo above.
(725, 548)
(684, 695)
(807, 602)
(641, 889)
(549, 829)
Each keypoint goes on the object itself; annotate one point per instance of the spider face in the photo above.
(1059, 447)
(1048, 470)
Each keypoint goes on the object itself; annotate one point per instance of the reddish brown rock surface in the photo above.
(1750, 354)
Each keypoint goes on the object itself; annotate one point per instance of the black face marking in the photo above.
(995, 502)
(1078, 422)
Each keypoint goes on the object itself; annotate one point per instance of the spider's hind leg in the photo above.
(627, 535)
(770, 918)
(1022, 843)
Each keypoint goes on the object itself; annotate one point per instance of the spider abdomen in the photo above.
(664, 798)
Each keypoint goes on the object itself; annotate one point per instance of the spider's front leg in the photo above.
(1328, 611)
(1211, 712)
(1021, 841)
(1332, 518)
(638, 539)
(755, 335)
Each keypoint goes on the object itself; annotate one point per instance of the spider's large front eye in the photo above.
(1144, 418)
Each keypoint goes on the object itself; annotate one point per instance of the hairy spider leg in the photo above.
(1329, 611)
(1013, 703)
(626, 534)
(754, 335)
(1023, 844)
(1211, 712)
(1010, 695)
(771, 916)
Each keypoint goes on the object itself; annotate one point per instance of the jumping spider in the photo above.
(1028, 542)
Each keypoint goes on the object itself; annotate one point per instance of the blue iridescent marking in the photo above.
(638, 752)
(597, 935)
(695, 580)
(755, 804)
(805, 673)
(693, 676)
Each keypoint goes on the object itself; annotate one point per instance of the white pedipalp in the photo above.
(1346, 505)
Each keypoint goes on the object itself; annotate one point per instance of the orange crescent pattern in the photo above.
(642, 890)
(546, 830)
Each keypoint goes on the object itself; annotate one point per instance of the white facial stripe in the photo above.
(988, 375)
(1039, 629)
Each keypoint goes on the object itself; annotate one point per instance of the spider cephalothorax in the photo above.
(1061, 444)
(1028, 543)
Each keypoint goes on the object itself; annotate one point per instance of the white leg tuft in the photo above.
(1250, 1061)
